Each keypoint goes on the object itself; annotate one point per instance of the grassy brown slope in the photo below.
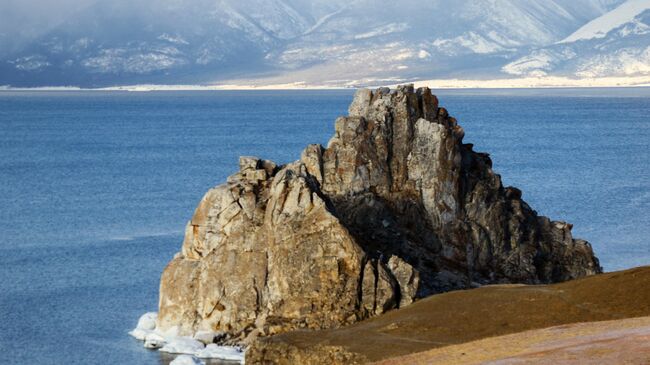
(464, 316)
(622, 341)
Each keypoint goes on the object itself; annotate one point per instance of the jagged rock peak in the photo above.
(396, 207)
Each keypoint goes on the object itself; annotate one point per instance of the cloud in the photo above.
(22, 18)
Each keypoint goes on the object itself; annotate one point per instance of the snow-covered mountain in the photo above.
(615, 44)
(334, 42)
(125, 41)
(604, 24)
(366, 43)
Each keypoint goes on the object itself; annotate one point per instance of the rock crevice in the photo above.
(396, 207)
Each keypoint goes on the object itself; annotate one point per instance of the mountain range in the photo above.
(334, 43)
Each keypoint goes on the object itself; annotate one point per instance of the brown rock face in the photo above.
(396, 207)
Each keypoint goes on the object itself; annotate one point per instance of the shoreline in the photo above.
(528, 83)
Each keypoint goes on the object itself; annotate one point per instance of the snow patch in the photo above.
(471, 41)
(387, 29)
(599, 27)
(176, 39)
(31, 63)
(207, 55)
(403, 55)
(81, 44)
(634, 28)
(294, 58)
(628, 62)
(324, 20)
(235, 20)
(119, 60)
(534, 82)
(535, 65)
(538, 63)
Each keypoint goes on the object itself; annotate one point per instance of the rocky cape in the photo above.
(395, 208)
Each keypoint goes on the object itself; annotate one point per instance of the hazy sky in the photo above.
(29, 18)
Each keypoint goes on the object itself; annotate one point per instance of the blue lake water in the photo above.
(95, 190)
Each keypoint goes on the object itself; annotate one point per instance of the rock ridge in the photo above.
(395, 208)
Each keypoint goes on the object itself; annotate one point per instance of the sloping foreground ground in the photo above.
(625, 341)
(464, 316)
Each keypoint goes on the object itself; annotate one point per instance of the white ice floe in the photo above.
(154, 340)
(190, 348)
(214, 351)
(182, 345)
(186, 360)
(146, 324)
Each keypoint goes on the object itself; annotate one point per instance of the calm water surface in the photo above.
(95, 190)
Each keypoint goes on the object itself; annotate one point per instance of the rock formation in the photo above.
(396, 207)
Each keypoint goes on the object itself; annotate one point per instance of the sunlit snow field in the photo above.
(96, 187)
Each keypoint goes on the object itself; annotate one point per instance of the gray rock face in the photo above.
(396, 207)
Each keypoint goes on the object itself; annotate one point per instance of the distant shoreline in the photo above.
(439, 84)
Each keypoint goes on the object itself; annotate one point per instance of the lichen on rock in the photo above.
(396, 207)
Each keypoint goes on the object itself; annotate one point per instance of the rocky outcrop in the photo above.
(396, 207)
